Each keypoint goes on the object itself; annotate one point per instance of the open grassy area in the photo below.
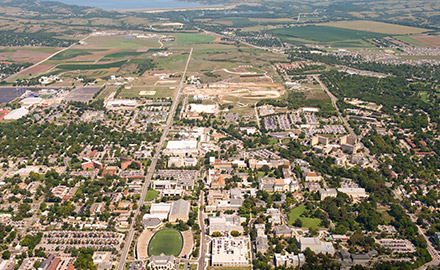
(151, 195)
(183, 39)
(107, 91)
(324, 34)
(168, 242)
(296, 212)
(121, 42)
(377, 27)
(159, 92)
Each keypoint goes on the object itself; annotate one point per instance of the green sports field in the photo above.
(168, 242)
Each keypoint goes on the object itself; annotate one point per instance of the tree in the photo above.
(298, 223)
(84, 260)
(216, 234)
(6, 255)
(235, 233)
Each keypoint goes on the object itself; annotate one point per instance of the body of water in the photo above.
(131, 4)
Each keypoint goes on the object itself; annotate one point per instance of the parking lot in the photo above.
(82, 94)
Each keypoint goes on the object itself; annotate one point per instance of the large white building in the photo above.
(16, 114)
(226, 224)
(230, 252)
(162, 262)
(316, 245)
(160, 210)
(290, 260)
(179, 211)
(181, 148)
(355, 193)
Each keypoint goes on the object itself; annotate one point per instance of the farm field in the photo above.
(427, 40)
(25, 54)
(107, 91)
(168, 242)
(271, 20)
(90, 66)
(376, 27)
(296, 212)
(120, 42)
(71, 53)
(186, 39)
(326, 35)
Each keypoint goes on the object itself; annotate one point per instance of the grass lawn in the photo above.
(296, 212)
(151, 195)
(193, 267)
(168, 242)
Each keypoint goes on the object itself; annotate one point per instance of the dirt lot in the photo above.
(23, 56)
(245, 93)
(428, 40)
(38, 69)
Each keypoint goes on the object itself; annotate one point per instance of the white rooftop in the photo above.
(16, 114)
(182, 145)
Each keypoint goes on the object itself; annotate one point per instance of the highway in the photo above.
(152, 168)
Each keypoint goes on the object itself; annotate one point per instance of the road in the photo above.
(152, 168)
(203, 242)
(334, 102)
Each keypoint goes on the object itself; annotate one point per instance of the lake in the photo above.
(132, 4)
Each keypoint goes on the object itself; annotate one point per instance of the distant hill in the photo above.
(52, 8)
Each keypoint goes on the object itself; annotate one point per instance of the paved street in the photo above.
(152, 168)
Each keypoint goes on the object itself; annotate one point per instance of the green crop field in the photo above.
(90, 66)
(188, 39)
(123, 54)
(296, 212)
(168, 242)
(71, 53)
(324, 34)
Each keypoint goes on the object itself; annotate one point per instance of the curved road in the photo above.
(152, 168)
